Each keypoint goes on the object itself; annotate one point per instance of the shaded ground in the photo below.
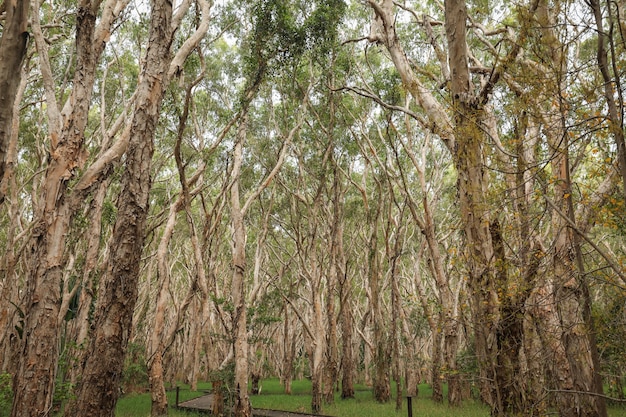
(205, 404)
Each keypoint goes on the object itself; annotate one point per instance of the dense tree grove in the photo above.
(380, 192)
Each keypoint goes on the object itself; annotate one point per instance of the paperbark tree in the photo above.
(580, 387)
(242, 406)
(445, 328)
(348, 367)
(239, 330)
(381, 355)
(335, 275)
(15, 234)
(13, 46)
(34, 379)
(308, 199)
(98, 390)
(162, 339)
(465, 135)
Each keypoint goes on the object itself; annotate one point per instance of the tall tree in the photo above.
(13, 46)
(465, 134)
(578, 375)
(98, 390)
(35, 377)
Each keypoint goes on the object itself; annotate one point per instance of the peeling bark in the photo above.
(98, 391)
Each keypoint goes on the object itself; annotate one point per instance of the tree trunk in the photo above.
(572, 301)
(334, 275)
(615, 120)
(34, 379)
(381, 358)
(79, 329)
(331, 368)
(472, 186)
(156, 351)
(98, 390)
(393, 254)
(157, 385)
(347, 324)
(511, 379)
(240, 332)
(289, 352)
(579, 383)
(196, 347)
(12, 52)
(437, 359)
(9, 293)
(318, 350)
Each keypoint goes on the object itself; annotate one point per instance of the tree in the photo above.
(34, 380)
(13, 46)
(98, 391)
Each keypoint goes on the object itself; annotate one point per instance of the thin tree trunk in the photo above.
(573, 305)
(79, 327)
(8, 291)
(156, 352)
(382, 360)
(240, 333)
(579, 384)
(318, 345)
(13, 46)
(392, 255)
(445, 330)
(160, 341)
(196, 348)
(289, 350)
(611, 85)
(334, 274)
(348, 367)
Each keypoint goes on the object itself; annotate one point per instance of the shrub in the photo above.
(135, 377)
(6, 394)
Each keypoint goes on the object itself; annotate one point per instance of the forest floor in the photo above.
(272, 399)
(205, 403)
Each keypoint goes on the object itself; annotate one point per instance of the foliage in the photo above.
(64, 388)
(610, 320)
(224, 381)
(6, 394)
(135, 376)
(285, 30)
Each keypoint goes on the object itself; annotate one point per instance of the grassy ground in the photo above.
(363, 405)
(138, 405)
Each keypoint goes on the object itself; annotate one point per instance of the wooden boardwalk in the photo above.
(204, 404)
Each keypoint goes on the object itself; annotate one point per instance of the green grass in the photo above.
(363, 405)
(273, 397)
(138, 405)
